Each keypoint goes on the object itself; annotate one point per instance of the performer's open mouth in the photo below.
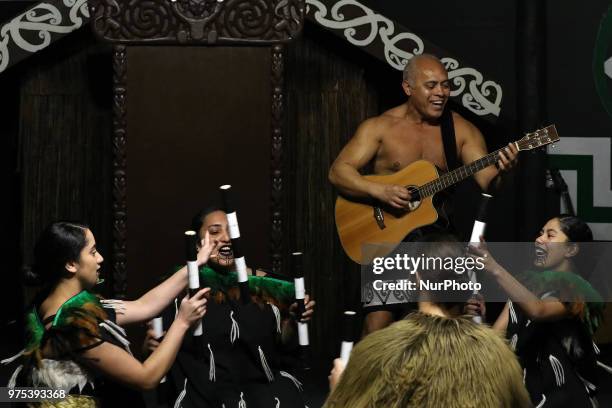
(540, 254)
(226, 253)
(438, 104)
(225, 250)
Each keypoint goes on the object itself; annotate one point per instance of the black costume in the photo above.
(238, 361)
(559, 358)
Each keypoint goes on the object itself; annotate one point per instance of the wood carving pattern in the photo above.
(276, 235)
(119, 171)
(197, 21)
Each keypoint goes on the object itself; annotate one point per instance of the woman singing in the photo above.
(551, 324)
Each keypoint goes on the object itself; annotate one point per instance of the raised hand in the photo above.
(481, 251)
(207, 246)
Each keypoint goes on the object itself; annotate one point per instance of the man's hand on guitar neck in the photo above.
(392, 194)
(507, 158)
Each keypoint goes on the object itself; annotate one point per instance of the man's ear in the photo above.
(406, 87)
(572, 250)
(71, 266)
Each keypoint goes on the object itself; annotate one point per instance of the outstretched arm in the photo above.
(115, 362)
(152, 303)
(533, 306)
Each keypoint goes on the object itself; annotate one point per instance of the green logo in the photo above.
(602, 62)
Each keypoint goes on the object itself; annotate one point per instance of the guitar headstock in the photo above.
(540, 137)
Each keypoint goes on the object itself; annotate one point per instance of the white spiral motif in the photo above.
(477, 95)
(76, 7)
(40, 21)
(377, 24)
(4, 52)
(481, 97)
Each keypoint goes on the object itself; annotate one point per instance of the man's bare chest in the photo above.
(398, 150)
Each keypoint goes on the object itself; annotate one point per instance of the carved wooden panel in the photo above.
(119, 171)
(197, 21)
(276, 234)
(194, 22)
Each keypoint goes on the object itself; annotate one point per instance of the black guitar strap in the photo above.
(447, 127)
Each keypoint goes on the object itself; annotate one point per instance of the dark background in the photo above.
(197, 119)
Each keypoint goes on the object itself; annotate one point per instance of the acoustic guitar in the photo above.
(366, 221)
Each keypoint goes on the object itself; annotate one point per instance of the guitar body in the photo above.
(357, 225)
(365, 221)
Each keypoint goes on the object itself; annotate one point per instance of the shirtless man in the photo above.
(405, 134)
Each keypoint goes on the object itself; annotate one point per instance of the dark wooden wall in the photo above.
(197, 118)
(56, 156)
(65, 140)
(328, 94)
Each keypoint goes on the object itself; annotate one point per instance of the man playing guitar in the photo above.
(407, 133)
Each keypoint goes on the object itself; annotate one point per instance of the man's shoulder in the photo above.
(463, 127)
(387, 118)
(461, 122)
(376, 126)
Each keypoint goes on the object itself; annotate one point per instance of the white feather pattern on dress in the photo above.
(60, 374)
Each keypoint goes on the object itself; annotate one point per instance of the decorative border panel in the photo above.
(38, 27)
(210, 22)
(391, 42)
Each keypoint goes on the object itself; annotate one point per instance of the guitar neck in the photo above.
(457, 175)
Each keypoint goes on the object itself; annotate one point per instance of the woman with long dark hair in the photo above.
(75, 337)
(550, 324)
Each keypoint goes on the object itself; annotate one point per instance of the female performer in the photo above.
(550, 327)
(242, 364)
(74, 337)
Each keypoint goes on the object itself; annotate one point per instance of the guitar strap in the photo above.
(447, 127)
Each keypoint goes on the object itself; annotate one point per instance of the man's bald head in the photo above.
(412, 67)
(427, 86)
